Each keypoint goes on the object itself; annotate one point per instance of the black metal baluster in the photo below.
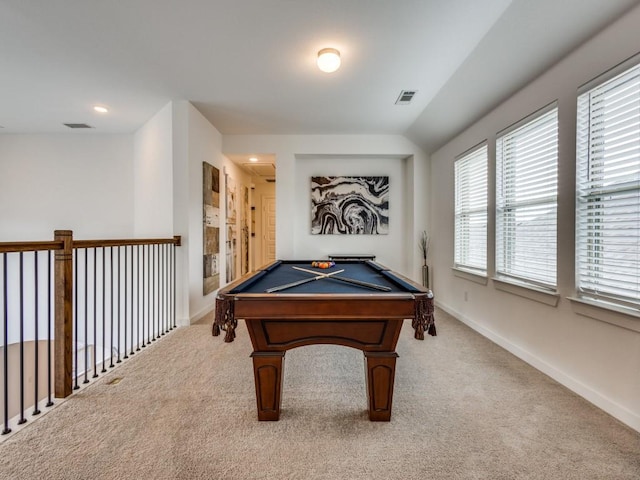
(118, 304)
(112, 307)
(22, 419)
(75, 315)
(36, 380)
(167, 286)
(142, 303)
(6, 345)
(169, 319)
(104, 310)
(148, 295)
(126, 277)
(173, 266)
(138, 304)
(95, 312)
(49, 321)
(170, 277)
(161, 290)
(133, 276)
(153, 291)
(86, 316)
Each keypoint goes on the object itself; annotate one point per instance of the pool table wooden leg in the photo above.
(381, 372)
(267, 371)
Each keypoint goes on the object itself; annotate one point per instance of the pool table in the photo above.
(358, 304)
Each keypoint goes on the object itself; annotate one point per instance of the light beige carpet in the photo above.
(463, 409)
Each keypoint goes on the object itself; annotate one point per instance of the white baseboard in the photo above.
(611, 407)
(201, 314)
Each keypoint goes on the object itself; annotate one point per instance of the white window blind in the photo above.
(526, 201)
(471, 211)
(608, 191)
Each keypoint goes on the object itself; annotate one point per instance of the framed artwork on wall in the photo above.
(211, 227)
(231, 233)
(350, 205)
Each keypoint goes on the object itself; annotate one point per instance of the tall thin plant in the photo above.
(424, 245)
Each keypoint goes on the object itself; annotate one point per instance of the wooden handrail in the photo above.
(121, 243)
(11, 247)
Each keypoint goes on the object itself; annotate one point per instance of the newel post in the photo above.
(63, 327)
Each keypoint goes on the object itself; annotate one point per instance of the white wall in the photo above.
(299, 155)
(77, 181)
(597, 359)
(153, 176)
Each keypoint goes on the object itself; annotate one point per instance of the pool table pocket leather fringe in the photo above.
(224, 319)
(423, 320)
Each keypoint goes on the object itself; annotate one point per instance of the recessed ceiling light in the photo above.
(101, 109)
(253, 159)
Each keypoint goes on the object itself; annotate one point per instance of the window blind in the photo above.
(608, 191)
(471, 211)
(526, 201)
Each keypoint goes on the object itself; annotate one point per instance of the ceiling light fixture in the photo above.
(253, 159)
(328, 60)
(101, 109)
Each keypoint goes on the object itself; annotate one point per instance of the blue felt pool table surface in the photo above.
(282, 273)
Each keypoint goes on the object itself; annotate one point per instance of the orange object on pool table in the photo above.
(323, 264)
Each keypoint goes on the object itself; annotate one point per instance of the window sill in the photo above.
(536, 294)
(606, 312)
(471, 276)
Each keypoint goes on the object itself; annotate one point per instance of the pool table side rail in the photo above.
(420, 298)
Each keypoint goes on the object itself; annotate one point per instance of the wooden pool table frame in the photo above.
(280, 321)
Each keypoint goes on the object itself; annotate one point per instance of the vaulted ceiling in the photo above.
(249, 65)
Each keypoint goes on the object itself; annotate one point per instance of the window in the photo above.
(608, 191)
(526, 201)
(471, 211)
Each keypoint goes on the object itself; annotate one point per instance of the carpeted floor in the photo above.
(463, 409)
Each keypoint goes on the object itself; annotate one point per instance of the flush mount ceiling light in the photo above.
(101, 109)
(253, 159)
(328, 60)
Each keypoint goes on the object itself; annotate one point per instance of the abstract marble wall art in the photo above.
(211, 227)
(350, 205)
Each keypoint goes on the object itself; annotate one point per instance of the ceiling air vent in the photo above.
(77, 125)
(405, 97)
